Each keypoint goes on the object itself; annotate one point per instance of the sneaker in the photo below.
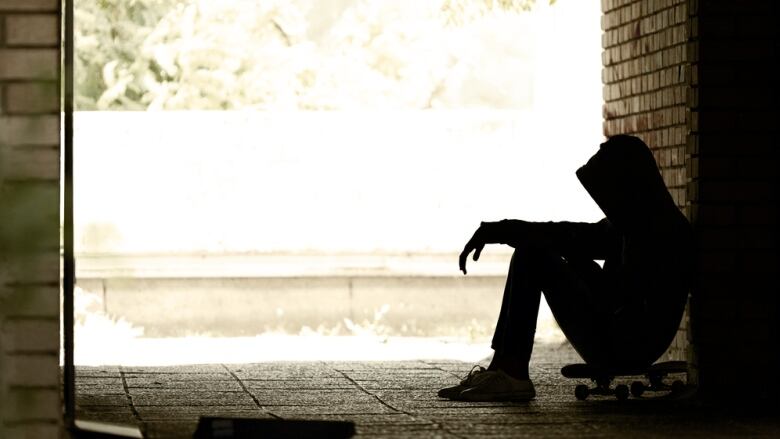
(469, 380)
(498, 386)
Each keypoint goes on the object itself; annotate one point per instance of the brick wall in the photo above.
(645, 88)
(733, 169)
(30, 404)
(697, 80)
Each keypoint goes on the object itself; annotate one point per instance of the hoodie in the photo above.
(645, 242)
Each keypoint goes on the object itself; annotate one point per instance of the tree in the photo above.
(280, 54)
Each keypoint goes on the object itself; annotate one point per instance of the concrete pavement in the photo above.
(390, 399)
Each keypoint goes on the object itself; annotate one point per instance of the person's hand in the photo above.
(475, 244)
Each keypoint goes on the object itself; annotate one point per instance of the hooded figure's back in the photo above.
(650, 275)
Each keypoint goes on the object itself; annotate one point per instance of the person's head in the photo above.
(623, 178)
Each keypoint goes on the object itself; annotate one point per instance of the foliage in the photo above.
(458, 12)
(110, 35)
(281, 54)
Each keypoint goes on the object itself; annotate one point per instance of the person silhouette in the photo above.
(620, 316)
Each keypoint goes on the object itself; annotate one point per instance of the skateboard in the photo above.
(603, 378)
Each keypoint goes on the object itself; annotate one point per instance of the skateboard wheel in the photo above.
(678, 387)
(621, 392)
(637, 388)
(581, 392)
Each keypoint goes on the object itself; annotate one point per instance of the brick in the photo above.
(760, 312)
(693, 7)
(30, 163)
(29, 64)
(692, 46)
(30, 98)
(735, 50)
(712, 167)
(734, 97)
(723, 308)
(734, 144)
(31, 404)
(758, 168)
(717, 238)
(757, 120)
(736, 238)
(692, 145)
(679, 196)
(40, 430)
(36, 268)
(730, 7)
(31, 300)
(708, 328)
(678, 152)
(713, 215)
(32, 30)
(756, 26)
(709, 26)
(40, 336)
(758, 214)
(713, 121)
(30, 130)
(32, 370)
(734, 191)
(638, 103)
(720, 286)
(713, 73)
(717, 261)
(673, 177)
(28, 5)
(30, 218)
(759, 262)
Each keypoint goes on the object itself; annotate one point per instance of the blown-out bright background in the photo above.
(382, 172)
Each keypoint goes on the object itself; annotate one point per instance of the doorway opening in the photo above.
(292, 180)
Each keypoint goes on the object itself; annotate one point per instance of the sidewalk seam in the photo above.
(257, 402)
(438, 425)
(129, 397)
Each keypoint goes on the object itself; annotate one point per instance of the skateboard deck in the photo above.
(603, 378)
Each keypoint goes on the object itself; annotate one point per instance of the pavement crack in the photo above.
(437, 425)
(136, 415)
(257, 402)
(364, 390)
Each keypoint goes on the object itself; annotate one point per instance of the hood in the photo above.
(623, 179)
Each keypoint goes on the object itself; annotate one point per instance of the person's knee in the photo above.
(529, 267)
(534, 260)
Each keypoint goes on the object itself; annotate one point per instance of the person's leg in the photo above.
(582, 307)
(516, 326)
(531, 271)
(516, 300)
(570, 295)
(569, 291)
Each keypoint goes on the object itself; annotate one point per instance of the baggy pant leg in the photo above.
(571, 298)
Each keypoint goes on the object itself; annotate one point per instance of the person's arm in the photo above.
(583, 240)
(590, 240)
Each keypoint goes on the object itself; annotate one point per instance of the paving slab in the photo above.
(392, 399)
(301, 384)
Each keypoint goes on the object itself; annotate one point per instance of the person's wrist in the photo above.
(489, 231)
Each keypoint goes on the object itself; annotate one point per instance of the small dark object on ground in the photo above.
(241, 428)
